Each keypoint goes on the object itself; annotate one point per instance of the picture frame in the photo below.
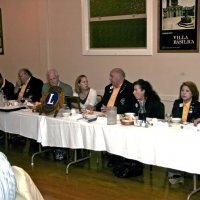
(1, 35)
(107, 19)
(178, 28)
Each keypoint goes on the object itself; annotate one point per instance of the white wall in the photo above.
(41, 34)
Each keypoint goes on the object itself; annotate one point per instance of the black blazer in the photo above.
(194, 111)
(125, 98)
(8, 90)
(33, 90)
(154, 108)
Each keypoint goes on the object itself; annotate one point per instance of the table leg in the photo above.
(100, 157)
(27, 145)
(77, 160)
(195, 189)
(37, 153)
(6, 140)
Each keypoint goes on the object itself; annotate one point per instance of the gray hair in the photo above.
(26, 71)
(52, 71)
(119, 71)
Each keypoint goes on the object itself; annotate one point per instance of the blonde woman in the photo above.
(87, 95)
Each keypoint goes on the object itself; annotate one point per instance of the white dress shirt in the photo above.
(7, 179)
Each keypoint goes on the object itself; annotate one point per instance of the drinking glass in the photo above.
(111, 115)
(168, 117)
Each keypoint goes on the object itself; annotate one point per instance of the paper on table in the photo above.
(75, 117)
(101, 120)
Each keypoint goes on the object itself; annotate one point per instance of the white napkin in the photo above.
(101, 120)
(75, 117)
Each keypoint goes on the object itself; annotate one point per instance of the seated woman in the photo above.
(87, 95)
(144, 92)
(187, 106)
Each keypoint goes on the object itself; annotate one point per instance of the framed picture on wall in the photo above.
(179, 26)
(117, 27)
(1, 35)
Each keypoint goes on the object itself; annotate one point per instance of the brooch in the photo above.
(181, 105)
(122, 101)
(191, 109)
(136, 105)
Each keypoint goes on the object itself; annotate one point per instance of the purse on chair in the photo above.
(128, 168)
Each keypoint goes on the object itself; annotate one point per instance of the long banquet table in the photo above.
(160, 145)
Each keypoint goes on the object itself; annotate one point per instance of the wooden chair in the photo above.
(99, 98)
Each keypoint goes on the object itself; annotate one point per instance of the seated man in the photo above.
(7, 88)
(53, 80)
(7, 180)
(25, 187)
(28, 86)
(119, 93)
(15, 183)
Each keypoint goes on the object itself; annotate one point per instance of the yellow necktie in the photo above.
(23, 88)
(186, 107)
(113, 97)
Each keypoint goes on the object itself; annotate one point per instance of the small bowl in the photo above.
(90, 116)
(126, 122)
(13, 102)
(176, 120)
(66, 114)
(129, 114)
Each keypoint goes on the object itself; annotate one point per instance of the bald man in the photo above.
(118, 93)
(28, 86)
(53, 80)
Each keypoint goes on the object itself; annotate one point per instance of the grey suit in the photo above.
(67, 88)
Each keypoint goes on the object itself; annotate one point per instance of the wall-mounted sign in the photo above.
(178, 28)
(1, 35)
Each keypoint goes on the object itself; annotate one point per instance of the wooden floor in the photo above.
(86, 182)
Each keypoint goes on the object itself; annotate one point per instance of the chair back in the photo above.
(99, 98)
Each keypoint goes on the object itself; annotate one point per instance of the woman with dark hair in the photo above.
(87, 95)
(144, 92)
(187, 106)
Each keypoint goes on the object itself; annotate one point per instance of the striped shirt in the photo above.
(7, 179)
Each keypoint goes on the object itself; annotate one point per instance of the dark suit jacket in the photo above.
(8, 90)
(125, 98)
(194, 111)
(33, 90)
(154, 109)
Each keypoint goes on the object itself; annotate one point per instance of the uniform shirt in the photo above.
(7, 179)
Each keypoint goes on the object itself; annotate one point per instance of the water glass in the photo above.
(111, 115)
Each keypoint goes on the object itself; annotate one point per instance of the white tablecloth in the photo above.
(164, 146)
